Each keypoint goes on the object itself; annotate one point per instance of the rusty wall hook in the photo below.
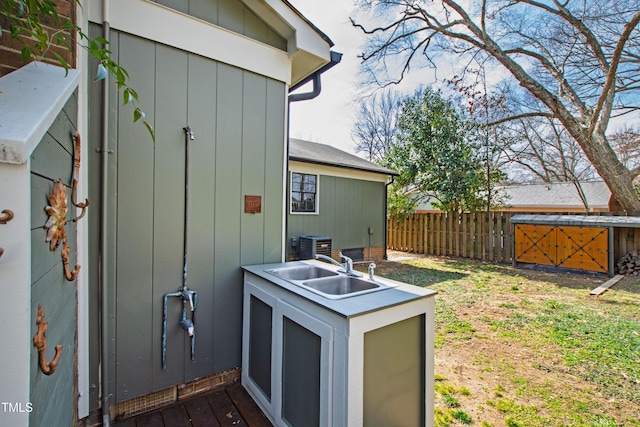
(7, 216)
(69, 275)
(56, 233)
(40, 342)
(75, 177)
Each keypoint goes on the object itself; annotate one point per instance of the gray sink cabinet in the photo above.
(365, 360)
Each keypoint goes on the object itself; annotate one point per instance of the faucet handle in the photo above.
(187, 294)
(372, 267)
(346, 258)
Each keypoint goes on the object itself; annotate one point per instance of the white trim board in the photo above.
(341, 172)
(30, 100)
(164, 25)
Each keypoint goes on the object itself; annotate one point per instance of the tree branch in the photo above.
(518, 117)
(609, 89)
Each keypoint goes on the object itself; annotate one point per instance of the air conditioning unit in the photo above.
(310, 246)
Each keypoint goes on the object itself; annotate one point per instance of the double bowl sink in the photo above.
(327, 283)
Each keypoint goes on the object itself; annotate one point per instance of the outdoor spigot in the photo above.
(187, 325)
(189, 131)
(188, 295)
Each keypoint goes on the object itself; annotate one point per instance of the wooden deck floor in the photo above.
(231, 406)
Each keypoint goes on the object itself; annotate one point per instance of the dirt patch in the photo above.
(506, 374)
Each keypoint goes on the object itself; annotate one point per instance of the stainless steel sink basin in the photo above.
(304, 272)
(327, 283)
(341, 285)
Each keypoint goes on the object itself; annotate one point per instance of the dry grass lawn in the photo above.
(527, 348)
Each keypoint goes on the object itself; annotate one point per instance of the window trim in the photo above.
(316, 210)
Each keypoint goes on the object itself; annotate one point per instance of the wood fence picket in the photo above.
(487, 236)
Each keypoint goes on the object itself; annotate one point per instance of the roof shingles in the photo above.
(313, 152)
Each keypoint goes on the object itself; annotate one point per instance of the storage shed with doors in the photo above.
(337, 197)
(588, 244)
(219, 70)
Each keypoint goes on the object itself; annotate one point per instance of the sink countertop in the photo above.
(350, 306)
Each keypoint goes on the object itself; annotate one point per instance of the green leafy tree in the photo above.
(433, 156)
(39, 28)
(577, 58)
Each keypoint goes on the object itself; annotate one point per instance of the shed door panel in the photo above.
(579, 248)
(583, 248)
(535, 244)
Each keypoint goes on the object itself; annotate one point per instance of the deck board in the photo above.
(176, 416)
(247, 407)
(152, 419)
(200, 412)
(231, 406)
(225, 411)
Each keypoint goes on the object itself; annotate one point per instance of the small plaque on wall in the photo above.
(252, 204)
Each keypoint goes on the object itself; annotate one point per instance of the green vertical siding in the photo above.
(202, 93)
(238, 121)
(274, 160)
(134, 261)
(53, 397)
(347, 208)
(232, 15)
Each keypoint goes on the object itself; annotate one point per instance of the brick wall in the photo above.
(373, 253)
(10, 49)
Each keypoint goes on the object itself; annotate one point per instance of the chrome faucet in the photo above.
(347, 268)
(326, 258)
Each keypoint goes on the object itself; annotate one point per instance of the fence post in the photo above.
(490, 230)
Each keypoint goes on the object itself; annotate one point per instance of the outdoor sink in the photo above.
(341, 285)
(327, 283)
(304, 272)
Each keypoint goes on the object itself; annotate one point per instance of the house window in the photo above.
(304, 193)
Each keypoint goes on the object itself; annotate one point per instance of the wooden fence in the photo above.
(486, 236)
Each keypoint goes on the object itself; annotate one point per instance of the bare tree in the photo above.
(544, 150)
(374, 130)
(626, 142)
(579, 58)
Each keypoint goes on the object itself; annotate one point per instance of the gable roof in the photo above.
(322, 154)
(557, 194)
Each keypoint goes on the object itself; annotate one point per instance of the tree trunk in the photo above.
(618, 178)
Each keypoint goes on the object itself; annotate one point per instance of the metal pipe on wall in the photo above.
(104, 157)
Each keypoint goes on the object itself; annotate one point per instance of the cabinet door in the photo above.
(306, 368)
(258, 338)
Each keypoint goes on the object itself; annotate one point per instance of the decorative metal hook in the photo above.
(40, 342)
(75, 177)
(56, 233)
(7, 216)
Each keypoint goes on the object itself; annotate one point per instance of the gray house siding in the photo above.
(232, 15)
(53, 397)
(238, 121)
(347, 208)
